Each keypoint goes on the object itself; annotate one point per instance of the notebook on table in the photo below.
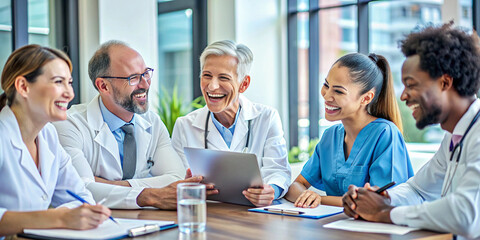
(288, 209)
(107, 230)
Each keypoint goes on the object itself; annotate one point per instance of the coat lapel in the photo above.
(103, 135)
(143, 137)
(19, 147)
(247, 113)
(46, 158)
(240, 135)
(214, 138)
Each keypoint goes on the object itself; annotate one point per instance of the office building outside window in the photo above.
(39, 23)
(5, 32)
(341, 30)
(182, 35)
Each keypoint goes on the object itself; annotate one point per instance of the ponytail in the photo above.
(3, 100)
(386, 105)
(373, 72)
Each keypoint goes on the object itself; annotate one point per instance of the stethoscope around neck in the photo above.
(206, 133)
(459, 146)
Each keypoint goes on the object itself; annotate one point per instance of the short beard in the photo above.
(127, 101)
(431, 117)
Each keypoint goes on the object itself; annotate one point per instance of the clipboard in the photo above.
(288, 209)
(107, 230)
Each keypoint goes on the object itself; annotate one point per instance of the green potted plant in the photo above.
(296, 154)
(172, 107)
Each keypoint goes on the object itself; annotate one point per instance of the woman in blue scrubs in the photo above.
(367, 146)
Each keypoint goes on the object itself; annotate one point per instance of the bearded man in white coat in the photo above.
(128, 168)
(228, 116)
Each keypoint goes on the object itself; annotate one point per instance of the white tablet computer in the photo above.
(231, 172)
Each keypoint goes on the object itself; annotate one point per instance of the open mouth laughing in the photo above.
(216, 96)
(62, 105)
(330, 109)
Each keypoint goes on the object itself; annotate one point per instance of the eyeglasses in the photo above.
(135, 78)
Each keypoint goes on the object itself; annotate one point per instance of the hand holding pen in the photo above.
(101, 209)
(350, 199)
(369, 203)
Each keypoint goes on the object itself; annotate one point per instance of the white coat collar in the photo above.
(104, 136)
(10, 121)
(248, 112)
(95, 119)
(45, 156)
(465, 120)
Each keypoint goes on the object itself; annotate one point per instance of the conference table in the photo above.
(229, 221)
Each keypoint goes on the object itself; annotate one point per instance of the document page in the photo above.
(288, 208)
(372, 227)
(108, 230)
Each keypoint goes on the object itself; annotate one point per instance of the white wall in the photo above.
(134, 22)
(89, 41)
(261, 25)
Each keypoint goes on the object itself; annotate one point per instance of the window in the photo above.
(39, 23)
(5, 32)
(181, 39)
(175, 52)
(341, 27)
(52, 23)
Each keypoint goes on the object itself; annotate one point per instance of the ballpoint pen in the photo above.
(284, 211)
(83, 201)
(380, 190)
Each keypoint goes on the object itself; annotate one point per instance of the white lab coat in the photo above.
(266, 139)
(419, 200)
(23, 187)
(94, 151)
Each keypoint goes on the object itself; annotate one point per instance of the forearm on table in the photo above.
(119, 183)
(155, 182)
(157, 197)
(294, 191)
(15, 222)
(332, 201)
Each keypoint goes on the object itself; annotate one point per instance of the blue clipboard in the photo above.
(287, 209)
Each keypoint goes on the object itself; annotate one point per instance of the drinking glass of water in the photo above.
(191, 207)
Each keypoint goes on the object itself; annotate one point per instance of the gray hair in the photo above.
(99, 64)
(230, 48)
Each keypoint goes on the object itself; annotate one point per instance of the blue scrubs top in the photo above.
(378, 156)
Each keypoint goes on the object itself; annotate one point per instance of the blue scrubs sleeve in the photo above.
(391, 161)
(278, 190)
(311, 170)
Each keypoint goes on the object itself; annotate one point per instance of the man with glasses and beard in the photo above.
(441, 77)
(120, 149)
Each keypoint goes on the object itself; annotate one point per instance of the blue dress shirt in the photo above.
(115, 124)
(227, 133)
(378, 156)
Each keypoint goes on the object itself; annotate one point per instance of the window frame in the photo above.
(199, 32)
(363, 32)
(65, 30)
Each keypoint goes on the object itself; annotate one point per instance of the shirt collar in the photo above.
(220, 127)
(111, 119)
(462, 125)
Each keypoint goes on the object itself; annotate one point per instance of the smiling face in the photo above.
(49, 95)
(120, 98)
(219, 83)
(422, 93)
(342, 97)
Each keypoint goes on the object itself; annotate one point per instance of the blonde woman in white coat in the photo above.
(34, 168)
(227, 116)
